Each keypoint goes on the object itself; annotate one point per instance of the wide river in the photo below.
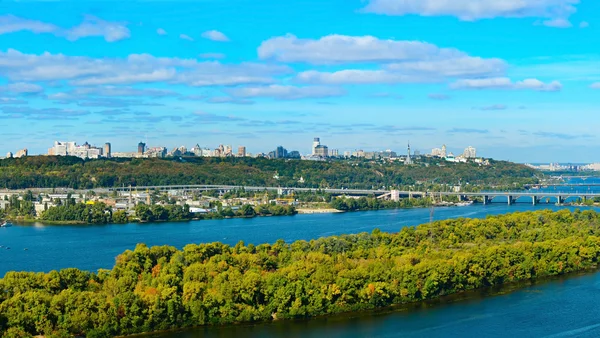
(566, 307)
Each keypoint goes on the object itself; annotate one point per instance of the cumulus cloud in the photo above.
(506, 83)
(10, 24)
(403, 61)
(355, 76)
(161, 31)
(557, 11)
(335, 48)
(91, 26)
(135, 68)
(23, 88)
(43, 114)
(215, 35)
(185, 37)
(595, 85)
(465, 66)
(287, 92)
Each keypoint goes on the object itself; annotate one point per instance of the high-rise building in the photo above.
(228, 150)
(21, 153)
(281, 152)
(72, 149)
(141, 148)
(470, 152)
(107, 150)
(9, 155)
(322, 151)
(443, 153)
(316, 143)
(241, 151)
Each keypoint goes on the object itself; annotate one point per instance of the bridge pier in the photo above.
(510, 200)
(486, 200)
(559, 199)
(535, 201)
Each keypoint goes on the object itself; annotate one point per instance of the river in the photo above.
(557, 308)
(90, 247)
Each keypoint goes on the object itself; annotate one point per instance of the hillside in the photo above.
(72, 172)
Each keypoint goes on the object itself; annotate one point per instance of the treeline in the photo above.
(75, 173)
(373, 203)
(97, 213)
(163, 288)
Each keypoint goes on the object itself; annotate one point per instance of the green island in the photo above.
(163, 288)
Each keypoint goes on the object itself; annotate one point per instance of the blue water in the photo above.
(566, 307)
(92, 247)
(559, 308)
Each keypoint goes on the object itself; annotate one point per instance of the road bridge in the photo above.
(486, 197)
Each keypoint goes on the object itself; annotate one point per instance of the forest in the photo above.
(76, 173)
(159, 288)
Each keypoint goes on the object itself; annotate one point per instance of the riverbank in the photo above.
(385, 269)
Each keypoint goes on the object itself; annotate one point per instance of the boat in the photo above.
(464, 204)
(5, 224)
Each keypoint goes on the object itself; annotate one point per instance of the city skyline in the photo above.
(506, 80)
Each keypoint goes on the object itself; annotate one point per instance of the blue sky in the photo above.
(518, 79)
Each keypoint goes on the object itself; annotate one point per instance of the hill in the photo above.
(76, 173)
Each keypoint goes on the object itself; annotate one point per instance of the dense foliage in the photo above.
(162, 287)
(97, 213)
(72, 172)
(373, 203)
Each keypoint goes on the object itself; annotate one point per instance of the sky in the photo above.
(517, 79)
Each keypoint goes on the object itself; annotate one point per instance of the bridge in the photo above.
(486, 197)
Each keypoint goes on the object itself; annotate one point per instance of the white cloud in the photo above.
(136, 68)
(471, 10)
(161, 31)
(23, 88)
(10, 24)
(215, 35)
(558, 23)
(595, 85)
(185, 37)
(584, 24)
(91, 26)
(506, 83)
(333, 49)
(283, 92)
(465, 66)
(123, 91)
(355, 76)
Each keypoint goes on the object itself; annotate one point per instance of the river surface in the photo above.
(566, 307)
(91, 247)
